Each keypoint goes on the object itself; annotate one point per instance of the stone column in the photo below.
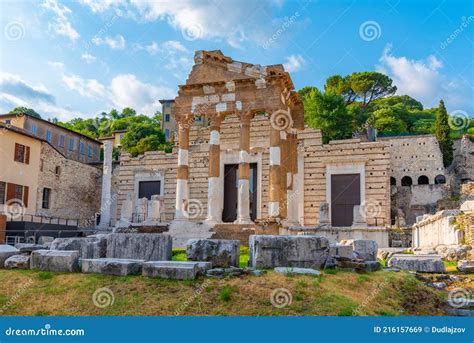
(284, 173)
(106, 200)
(243, 192)
(182, 191)
(214, 206)
(292, 174)
(275, 177)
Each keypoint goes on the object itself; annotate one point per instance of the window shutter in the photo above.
(10, 191)
(25, 195)
(17, 152)
(27, 155)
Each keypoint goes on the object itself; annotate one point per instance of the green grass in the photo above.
(179, 254)
(451, 266)
(225, 294)
(244, 256)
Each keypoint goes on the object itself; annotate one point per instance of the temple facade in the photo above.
(255, 163)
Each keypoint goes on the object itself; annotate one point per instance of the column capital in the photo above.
(185, 120)
(216, 120)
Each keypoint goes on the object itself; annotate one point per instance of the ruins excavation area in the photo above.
(247, 177)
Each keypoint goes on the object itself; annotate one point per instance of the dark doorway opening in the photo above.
(231, 182)
(148, 188)
(345, 194)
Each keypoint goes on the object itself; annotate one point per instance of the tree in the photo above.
(25, 110)
(363, 87)
(443, 134)
(386, 121)
(327, 111)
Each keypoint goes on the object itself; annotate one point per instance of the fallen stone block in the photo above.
(303, 271)
(385, 253)
(171, 270)
(18, 262)
(46, 240)
(255, 272)
(89, 247)
(55, 260)
(28, 247)
(221, 252)
(140, 246)
(360, 266)
(363, 248)
(466, 266)
(112, 266)
(267, 251)
(418, 263)
(5, 252)
(223, 272)
(340, 250)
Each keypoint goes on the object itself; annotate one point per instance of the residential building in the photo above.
(71, 144)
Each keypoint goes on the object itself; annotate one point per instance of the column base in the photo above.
(243, 221)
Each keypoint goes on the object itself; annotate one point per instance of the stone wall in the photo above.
(464, 159)
(415, 156)
(438, 229)
(75, 187)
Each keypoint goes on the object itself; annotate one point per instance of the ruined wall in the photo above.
(437, 229)
(415, 156)
(375, 156)
(75, 187)
(464, 159)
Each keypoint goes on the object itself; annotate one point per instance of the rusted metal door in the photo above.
(345, 194)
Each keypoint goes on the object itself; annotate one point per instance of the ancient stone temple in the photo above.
(244, 161)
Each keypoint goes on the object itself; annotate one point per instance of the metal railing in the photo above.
(42, 219)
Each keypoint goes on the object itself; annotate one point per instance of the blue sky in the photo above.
(78, 58)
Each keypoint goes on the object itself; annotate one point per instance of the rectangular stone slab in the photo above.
(418, 263)
(5, 252)
(55, 260)
(267, 251)
(89, 247)
(171, 270)
(140, 246)
(221, 252)
(112, 266)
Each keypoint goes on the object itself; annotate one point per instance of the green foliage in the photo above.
(225, 294)
(25, 110)
(179, 255)
(327, 112)
(443, 134)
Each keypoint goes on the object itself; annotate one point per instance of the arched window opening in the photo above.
(440, 179)
(423, 180)
(393, 181)
(407, 181)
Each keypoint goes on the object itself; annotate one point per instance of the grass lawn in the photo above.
(28, 292)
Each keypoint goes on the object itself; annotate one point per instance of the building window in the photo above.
(90, 153)
(34, 129)
(148, 188)
(440, 179)
(167, 133)
(62, 140)
(18, 192)
(3, 188)
(167, 117)
(407, 181)
(423, 180)
(46, 198)
(8, 121)
(57, 170)
(393, 181)
(49, 136)
(198, 119)
(71, 144)
(22, 153)
(81, 148)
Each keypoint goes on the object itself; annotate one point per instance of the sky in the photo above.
(68, 59)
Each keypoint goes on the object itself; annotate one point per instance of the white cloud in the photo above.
(17, 92)
(60, 24)
(56, 65)
(114, 43)
(88, 58)
(294, 63)
(202, 19)
(127, 90)
(90, 88)
(423, 80)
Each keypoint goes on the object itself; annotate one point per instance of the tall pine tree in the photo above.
(443, 131)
